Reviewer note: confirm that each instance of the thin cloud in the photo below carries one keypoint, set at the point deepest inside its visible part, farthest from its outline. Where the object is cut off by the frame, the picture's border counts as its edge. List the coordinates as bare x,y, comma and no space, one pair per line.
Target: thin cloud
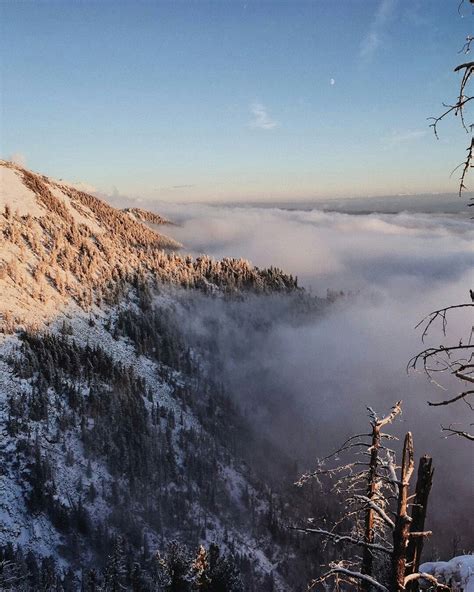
373,40
396,138
18,158
85,187
262,119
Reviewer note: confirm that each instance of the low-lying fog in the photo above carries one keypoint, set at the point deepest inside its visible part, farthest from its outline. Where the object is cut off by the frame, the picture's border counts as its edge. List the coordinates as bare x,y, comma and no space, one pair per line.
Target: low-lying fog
398,267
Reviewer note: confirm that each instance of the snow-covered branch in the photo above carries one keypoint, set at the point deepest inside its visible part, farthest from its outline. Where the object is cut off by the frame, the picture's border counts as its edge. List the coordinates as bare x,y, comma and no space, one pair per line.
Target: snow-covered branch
344,538
425,576
376,509
339,570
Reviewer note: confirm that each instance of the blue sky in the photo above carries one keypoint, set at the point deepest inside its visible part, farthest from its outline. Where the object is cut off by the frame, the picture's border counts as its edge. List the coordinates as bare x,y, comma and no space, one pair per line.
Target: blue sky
233,100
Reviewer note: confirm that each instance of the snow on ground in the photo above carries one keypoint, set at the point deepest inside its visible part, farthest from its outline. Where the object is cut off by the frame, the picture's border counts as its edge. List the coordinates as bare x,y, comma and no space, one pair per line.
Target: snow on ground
121,350
15,521
85,216
37,532
13,192
458,573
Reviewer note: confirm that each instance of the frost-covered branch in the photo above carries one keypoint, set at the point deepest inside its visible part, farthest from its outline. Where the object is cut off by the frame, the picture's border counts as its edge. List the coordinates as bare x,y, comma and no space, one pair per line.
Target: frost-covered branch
376,509
425,576
344,538
355,575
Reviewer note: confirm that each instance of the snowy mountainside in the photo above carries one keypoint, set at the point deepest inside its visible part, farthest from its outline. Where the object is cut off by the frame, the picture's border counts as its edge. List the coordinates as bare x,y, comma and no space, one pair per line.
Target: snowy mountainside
111,426
115,430
59,245
146,216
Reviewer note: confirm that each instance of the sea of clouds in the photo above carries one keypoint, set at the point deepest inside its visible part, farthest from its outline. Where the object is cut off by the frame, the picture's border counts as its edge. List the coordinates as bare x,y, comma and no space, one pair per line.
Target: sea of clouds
308,383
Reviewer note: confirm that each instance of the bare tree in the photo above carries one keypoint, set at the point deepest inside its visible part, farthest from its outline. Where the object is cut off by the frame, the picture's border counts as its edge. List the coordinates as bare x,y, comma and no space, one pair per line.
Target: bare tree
381,526
448,361
458,108
454,357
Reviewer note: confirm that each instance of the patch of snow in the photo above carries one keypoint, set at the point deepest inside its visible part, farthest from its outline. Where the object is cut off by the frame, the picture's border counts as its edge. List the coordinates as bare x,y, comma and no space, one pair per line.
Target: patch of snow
458,573
13,192
79,218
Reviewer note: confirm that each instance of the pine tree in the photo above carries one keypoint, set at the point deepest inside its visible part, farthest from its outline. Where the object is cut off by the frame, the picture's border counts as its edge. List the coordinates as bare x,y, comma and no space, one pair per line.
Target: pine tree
116,570
173,568
215,573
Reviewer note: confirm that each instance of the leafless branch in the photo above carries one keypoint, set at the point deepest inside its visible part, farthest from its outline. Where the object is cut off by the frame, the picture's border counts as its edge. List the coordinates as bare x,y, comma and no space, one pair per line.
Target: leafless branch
450,109
343,538
458,108
376,509
428,577
453,431
340,570
466,165
452,400
431,352
454,360
439,314
375,421
466,48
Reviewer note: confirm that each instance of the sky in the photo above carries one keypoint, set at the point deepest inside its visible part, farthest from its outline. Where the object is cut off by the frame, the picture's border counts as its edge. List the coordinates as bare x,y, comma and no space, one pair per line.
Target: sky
233,101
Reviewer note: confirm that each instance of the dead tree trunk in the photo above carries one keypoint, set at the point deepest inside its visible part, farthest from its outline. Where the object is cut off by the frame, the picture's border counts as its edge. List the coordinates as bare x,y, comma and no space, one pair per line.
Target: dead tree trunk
386,510
367,565
401,532
420,507
367,556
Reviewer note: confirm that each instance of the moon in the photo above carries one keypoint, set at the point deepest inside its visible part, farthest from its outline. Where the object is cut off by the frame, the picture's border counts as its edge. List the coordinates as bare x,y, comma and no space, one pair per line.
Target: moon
332,82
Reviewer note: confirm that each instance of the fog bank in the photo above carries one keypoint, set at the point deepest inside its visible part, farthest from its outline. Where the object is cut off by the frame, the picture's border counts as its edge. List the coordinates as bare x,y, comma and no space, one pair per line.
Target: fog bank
307,383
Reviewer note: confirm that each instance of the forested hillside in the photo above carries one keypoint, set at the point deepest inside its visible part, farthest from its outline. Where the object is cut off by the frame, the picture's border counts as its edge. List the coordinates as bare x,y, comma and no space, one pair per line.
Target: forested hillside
122,451
59,245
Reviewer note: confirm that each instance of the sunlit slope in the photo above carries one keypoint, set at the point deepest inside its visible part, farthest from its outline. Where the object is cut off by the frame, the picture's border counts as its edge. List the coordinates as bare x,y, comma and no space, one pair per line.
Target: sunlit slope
59,245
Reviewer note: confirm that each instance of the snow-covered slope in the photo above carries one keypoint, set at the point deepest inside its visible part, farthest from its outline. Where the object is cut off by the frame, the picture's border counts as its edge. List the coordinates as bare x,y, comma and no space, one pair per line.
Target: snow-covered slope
15,194
57,455
146,216
110,424
59,245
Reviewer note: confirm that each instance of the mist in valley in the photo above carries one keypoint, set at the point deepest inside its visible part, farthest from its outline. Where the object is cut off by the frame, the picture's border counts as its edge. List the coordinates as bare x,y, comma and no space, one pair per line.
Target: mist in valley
305,379
224,229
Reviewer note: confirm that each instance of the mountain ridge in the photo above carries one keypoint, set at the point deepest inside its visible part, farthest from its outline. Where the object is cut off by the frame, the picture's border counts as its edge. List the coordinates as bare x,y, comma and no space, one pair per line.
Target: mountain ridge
116,429
147,216
59,244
